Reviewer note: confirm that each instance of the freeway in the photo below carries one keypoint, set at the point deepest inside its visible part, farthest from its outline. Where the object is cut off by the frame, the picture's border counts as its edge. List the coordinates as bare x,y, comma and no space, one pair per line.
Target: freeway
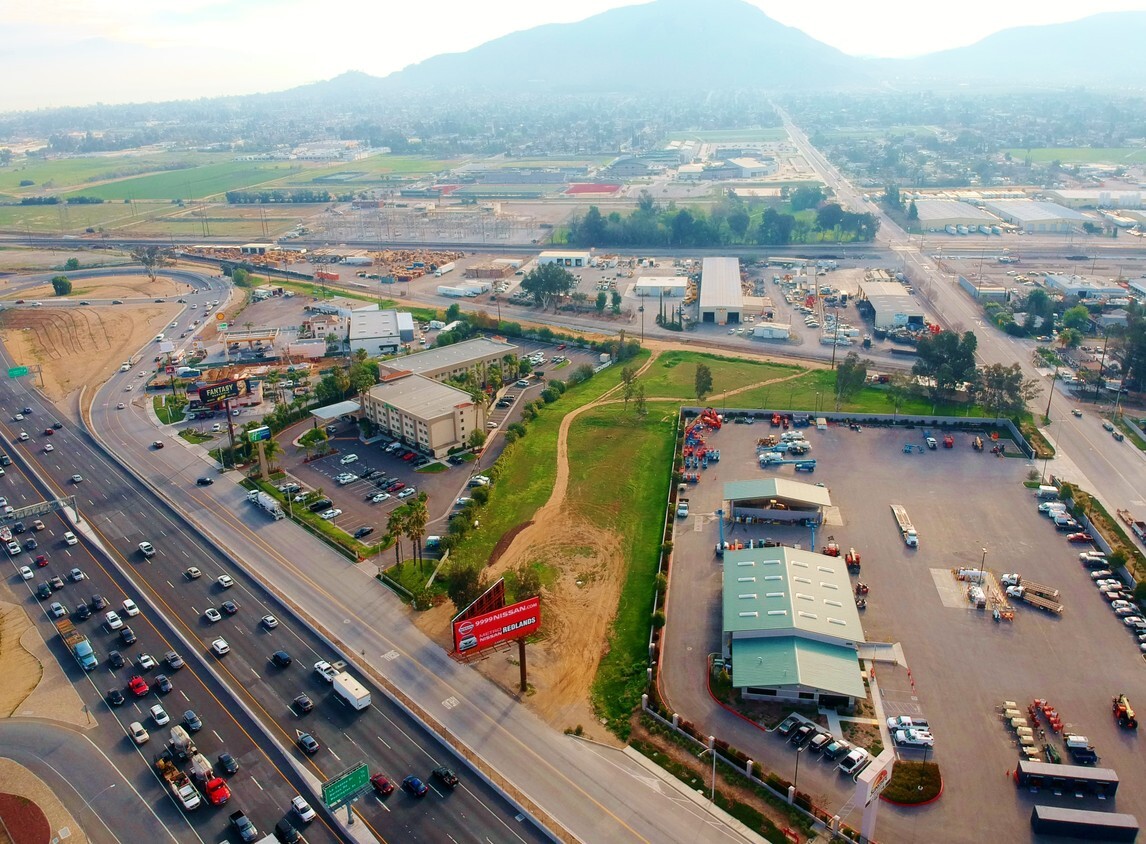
122,514
265,782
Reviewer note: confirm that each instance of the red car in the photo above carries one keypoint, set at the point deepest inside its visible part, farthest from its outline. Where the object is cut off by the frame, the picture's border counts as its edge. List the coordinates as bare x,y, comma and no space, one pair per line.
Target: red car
1080,537
138,686
218,792
382,784
394,487
408,456
41,560
48,432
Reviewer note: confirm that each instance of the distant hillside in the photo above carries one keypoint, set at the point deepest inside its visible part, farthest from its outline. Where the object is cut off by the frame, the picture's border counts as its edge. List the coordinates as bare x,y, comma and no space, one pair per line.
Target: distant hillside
667,44
1103,49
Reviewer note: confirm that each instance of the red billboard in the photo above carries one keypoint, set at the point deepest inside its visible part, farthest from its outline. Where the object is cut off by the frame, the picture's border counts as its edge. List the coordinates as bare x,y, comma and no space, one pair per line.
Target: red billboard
500,625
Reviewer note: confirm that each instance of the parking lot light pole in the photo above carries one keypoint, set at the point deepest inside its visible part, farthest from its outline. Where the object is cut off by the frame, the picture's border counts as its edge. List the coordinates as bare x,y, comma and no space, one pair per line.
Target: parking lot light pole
712,750
796,776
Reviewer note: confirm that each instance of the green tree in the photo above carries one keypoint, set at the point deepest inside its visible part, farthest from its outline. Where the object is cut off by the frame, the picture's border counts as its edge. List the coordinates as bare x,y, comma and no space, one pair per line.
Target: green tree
1077,318
1038,303
465,584
592,229
738,222
547,283
396,526
807,196
72,264
912,211
702,382
242,278
830,216
476,439
851,375
639,403
945,360
1070,338
899,389
453,312
628,381
1003,390
602,301
152,258
61,285
316,439
415,522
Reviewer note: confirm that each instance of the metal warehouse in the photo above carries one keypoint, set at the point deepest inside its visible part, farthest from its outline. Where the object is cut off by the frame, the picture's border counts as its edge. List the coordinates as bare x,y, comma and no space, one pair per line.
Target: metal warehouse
1036,217
665,285
937,214
893,306
721,297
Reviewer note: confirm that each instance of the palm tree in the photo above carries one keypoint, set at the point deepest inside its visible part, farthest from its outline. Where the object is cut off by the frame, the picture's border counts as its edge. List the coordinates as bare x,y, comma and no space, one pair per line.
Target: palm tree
271,449
415,523
396,527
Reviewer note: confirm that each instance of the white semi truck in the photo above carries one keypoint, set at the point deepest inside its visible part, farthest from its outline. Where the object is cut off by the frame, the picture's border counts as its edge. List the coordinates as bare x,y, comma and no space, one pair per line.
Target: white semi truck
266,502
906,529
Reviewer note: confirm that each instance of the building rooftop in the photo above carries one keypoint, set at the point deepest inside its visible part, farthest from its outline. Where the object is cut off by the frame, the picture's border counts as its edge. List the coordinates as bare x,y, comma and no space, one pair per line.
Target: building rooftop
333,411
788,660
781,488
947,209
661,281
419,396
452,356
720,284
1033,211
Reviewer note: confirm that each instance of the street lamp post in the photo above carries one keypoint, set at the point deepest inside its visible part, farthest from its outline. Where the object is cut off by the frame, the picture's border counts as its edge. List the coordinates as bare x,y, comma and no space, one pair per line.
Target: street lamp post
88,803
796,776
982,563
712,750
641,311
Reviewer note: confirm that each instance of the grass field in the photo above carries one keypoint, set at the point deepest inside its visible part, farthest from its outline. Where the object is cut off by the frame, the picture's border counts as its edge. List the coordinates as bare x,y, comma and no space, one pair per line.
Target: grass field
632,507
723,135
1082,155
376,168
67,174
197,183
61,218
674,373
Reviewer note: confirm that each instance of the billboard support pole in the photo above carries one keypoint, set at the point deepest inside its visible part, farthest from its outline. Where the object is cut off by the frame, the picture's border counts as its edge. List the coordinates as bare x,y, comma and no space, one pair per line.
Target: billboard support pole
231,431
262,459
521,662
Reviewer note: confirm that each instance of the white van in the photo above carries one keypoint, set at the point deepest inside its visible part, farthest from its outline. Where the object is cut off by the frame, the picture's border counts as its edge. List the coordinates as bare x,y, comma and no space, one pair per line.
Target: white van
1047,492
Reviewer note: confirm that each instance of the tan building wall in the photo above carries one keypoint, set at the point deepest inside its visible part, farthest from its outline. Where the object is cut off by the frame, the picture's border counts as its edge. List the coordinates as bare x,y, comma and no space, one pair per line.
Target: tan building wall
422,413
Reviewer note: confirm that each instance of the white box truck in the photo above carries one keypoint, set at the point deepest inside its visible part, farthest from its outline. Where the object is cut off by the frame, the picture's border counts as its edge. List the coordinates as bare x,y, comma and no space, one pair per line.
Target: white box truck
351,691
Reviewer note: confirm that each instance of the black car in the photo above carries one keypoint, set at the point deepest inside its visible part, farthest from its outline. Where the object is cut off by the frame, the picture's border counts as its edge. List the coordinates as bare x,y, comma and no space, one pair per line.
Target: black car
83,612
115,658
445,776
115,697
229,607
308,743
228,763
27,410
454,460
303,703
281,659
320,505
367,473
99,602
192,721
366,530
802,733
57,425
204,481
127,636
30,544
19,527
44,591
161,684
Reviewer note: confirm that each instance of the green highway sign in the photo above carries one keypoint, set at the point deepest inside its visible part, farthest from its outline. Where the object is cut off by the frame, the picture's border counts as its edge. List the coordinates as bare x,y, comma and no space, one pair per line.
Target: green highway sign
17,371
222,326
341,789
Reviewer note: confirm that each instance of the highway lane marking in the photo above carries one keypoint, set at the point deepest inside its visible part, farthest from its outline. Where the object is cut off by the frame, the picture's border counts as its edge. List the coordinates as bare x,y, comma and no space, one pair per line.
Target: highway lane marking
388,747
219,737
335,755
185,695
256,782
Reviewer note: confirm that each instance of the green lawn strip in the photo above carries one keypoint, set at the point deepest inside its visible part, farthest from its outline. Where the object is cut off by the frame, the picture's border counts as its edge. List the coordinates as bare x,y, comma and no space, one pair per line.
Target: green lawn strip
913,782
1081,155
192,184
432,468
526,470
324,530
673,374
631,505
1139,443
194,437
413,578
169,410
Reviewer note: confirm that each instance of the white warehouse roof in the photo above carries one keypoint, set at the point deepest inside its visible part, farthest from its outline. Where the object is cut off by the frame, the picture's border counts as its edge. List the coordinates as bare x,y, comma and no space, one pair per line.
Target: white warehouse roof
1023,211
949,212
720,284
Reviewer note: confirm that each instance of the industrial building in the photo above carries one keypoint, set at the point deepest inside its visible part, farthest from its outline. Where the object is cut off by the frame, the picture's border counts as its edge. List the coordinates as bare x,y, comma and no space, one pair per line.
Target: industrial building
670,287
936,214
1081,286
891,304
565,259
379,331
1036,217
772,331
446,362
777,500
423,413
752,168
721,296
790,626
1099,198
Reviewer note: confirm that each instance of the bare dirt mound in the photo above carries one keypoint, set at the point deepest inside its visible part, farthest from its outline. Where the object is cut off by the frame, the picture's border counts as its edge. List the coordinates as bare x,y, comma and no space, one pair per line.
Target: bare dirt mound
78,346
23,820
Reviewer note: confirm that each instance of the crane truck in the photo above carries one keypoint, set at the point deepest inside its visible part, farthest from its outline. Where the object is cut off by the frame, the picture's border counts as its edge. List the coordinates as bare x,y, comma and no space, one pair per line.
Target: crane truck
1035,600
179,783
77,643
266,502
906,529
1029,585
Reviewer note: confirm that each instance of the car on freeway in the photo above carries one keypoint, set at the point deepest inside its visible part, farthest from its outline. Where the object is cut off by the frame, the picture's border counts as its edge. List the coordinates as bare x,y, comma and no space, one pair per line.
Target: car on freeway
55,582
382,784
303,809
127,636
115,659
229,607
114,622
414,786
115,697
119,406
147,662
76,575
445,776
57,609
228,763
26,573
269,622
193,573
49,447
160,715
83,612
138,734
308,743
42,560
31,544
70,538
303,703
98,602
212,615
225,581
130,607
192,721
138,686
147,549
37,525
174,660
14,548
162,684
325,670
281,659
204,481
220,647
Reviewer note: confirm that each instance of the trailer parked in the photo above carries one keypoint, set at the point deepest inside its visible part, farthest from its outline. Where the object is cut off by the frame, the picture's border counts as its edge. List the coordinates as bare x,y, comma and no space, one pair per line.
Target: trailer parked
1034,600
906,529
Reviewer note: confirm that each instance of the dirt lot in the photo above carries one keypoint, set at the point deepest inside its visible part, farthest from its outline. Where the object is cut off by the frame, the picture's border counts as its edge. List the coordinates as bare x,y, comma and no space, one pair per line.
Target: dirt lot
19,668
39,260
106,287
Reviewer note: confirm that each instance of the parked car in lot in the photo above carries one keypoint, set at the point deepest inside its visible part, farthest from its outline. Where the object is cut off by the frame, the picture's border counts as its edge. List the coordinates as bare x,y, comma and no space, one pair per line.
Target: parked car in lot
407,492
914,738
790,723
854,762
801,733
836,748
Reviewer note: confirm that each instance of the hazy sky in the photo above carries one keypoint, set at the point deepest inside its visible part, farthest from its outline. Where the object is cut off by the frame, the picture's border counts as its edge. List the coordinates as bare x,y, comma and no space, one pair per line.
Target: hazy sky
71,52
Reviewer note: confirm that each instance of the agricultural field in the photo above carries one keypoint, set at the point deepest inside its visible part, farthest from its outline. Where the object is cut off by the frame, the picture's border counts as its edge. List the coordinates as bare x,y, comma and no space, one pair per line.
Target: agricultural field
69,174
377,169
203,182
713,136
1081,155
62,219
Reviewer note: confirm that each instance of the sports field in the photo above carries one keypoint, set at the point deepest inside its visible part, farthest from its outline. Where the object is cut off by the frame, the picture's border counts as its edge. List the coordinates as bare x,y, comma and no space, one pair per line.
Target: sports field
1082,155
